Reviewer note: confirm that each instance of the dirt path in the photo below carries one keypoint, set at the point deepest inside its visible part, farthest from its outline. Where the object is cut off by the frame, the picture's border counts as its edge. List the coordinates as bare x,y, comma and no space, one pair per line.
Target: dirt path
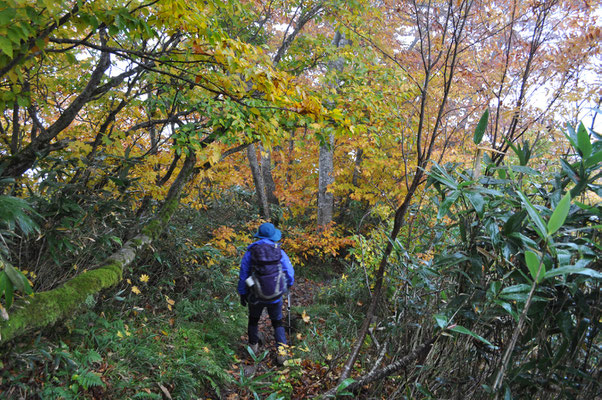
302,294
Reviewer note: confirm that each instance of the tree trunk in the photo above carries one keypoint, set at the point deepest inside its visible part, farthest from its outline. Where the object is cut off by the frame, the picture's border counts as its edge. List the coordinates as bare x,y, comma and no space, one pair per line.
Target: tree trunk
266,172
325,179
344,209
326,163
359,153
262,199
47,308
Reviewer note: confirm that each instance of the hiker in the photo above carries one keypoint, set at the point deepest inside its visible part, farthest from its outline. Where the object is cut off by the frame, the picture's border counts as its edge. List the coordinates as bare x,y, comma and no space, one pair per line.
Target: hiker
266,273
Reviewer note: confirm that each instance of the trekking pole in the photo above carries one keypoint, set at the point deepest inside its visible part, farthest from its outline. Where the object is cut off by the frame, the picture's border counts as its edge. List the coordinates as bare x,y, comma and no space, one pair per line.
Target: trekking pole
288,309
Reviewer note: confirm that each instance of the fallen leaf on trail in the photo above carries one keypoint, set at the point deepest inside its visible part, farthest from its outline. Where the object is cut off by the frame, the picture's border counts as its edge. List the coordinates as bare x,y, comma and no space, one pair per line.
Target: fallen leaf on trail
305,317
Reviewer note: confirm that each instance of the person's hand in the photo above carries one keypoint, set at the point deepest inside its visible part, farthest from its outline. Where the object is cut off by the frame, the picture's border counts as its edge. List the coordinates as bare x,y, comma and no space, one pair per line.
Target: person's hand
243,300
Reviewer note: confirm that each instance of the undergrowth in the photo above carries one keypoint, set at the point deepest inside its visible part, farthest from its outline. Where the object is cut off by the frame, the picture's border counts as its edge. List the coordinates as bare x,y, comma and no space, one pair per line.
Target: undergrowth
128,347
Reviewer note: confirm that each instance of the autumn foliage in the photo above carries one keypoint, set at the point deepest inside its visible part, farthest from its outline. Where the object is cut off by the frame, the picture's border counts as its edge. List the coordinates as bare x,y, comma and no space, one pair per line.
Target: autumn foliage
147,140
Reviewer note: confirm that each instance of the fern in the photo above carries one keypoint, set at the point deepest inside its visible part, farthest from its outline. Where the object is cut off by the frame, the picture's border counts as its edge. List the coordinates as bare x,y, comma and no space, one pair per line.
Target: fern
92,356
87,379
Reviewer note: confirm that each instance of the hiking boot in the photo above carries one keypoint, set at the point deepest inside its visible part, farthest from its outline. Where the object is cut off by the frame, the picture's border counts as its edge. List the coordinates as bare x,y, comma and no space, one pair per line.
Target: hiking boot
282,355
280,359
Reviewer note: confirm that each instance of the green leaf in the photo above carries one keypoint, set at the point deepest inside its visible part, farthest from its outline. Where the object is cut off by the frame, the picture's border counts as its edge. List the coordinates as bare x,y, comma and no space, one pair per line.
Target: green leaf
344,385
461,329
593,160
583,141
447,203
3,282
6,15
442,176
570,171
560,213
573,269
481,127
520,288
540,226
523,169
508,307
7,288
527,241
15,277
572,136
477,202
533,264
6,46
441,320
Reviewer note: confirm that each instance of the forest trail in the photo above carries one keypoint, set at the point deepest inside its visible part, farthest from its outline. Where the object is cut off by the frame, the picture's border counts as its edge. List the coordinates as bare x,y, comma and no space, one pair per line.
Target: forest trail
302,295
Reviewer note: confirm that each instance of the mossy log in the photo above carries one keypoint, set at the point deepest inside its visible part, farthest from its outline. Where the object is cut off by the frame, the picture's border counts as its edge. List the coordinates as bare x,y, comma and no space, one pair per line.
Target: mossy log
47,308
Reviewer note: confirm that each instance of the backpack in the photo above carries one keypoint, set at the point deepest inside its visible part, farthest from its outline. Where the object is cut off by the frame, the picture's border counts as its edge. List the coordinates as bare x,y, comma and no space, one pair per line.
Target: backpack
266,271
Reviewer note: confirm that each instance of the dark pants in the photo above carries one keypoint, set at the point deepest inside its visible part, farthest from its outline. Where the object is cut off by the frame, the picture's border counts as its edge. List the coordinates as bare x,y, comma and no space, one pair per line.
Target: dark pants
275,313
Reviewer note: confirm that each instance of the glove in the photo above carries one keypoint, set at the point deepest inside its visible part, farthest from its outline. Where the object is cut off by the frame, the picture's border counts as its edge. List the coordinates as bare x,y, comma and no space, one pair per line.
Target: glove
243,300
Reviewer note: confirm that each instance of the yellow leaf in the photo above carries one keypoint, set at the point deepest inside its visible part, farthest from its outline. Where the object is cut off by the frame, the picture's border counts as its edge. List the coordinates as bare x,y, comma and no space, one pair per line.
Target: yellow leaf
135,290
305,317
119,334
165,333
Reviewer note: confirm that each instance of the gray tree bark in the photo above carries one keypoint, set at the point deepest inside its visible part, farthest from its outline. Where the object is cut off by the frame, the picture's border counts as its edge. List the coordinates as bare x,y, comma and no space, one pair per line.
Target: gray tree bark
325,179
326,160
262,199
266,173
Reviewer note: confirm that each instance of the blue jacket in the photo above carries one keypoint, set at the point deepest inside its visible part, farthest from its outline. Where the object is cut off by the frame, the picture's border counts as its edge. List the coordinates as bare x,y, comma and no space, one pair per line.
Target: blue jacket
245,270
